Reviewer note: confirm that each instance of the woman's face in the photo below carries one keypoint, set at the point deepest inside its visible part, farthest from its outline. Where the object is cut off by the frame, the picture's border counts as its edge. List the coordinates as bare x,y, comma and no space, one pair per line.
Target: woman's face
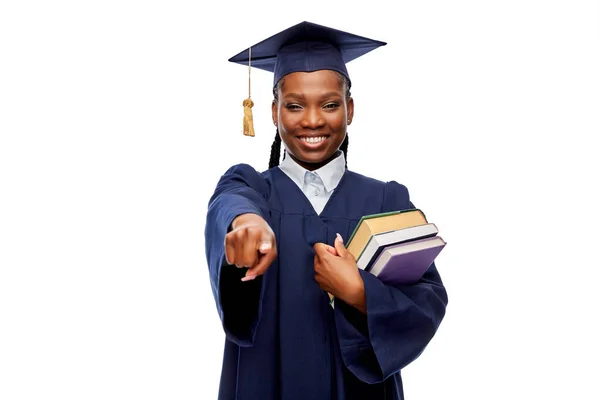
312,113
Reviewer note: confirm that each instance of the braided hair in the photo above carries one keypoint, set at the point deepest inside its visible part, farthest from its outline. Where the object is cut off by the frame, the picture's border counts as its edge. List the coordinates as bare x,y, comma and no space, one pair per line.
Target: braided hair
275,151
276,146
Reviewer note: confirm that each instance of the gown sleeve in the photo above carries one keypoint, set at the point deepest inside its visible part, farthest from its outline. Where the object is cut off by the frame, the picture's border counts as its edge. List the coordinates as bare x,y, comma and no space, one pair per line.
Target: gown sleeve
400,320
239,191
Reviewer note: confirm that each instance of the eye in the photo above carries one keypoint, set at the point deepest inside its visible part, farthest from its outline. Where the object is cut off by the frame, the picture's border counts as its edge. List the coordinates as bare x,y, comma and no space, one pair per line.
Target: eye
331,105
293,107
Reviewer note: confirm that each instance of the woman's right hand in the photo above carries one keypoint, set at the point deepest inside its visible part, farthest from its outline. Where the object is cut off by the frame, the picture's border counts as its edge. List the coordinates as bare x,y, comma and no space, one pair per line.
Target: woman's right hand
250,244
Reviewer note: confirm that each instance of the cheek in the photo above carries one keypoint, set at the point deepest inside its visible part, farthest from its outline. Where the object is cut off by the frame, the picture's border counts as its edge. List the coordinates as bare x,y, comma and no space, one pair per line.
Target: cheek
337,121
287,128
288,120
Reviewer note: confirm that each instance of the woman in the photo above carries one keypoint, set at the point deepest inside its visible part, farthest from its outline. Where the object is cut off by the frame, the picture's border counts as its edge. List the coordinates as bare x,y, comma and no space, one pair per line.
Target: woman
274,245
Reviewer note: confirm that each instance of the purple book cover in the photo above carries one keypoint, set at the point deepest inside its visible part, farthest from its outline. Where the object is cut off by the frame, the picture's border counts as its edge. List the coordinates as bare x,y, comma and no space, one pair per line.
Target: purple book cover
397,266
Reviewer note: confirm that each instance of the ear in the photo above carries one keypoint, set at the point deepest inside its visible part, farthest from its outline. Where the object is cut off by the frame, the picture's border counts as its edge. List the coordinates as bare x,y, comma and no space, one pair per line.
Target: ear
350,110
274,112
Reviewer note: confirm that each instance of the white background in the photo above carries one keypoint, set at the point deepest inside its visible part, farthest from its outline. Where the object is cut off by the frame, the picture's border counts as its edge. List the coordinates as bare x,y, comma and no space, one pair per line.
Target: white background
118,117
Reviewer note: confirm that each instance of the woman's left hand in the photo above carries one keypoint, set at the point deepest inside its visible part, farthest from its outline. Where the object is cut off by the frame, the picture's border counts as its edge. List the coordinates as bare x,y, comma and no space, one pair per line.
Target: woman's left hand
337,273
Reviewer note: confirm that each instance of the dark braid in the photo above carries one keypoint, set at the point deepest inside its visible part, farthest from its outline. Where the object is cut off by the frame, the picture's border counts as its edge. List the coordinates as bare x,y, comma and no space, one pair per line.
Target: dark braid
344,148
275,151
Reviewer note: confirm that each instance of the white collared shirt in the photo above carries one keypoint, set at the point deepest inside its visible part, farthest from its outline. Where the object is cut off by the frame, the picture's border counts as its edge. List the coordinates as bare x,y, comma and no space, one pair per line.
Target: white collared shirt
317,185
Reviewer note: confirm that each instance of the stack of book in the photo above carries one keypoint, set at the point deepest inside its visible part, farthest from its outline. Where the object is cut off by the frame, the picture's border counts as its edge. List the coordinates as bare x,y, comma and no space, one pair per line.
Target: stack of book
398,247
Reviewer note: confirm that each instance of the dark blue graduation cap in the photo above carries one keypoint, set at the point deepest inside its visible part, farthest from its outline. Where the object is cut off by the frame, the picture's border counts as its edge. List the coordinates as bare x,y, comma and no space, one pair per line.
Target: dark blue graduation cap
304,47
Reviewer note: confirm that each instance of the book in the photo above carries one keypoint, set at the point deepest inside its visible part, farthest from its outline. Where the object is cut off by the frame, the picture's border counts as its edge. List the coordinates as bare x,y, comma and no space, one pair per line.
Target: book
377,243
406,263
373,224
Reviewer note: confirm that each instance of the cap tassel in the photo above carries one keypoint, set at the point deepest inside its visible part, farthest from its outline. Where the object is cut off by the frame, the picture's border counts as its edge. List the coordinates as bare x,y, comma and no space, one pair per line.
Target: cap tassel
248,104
248,124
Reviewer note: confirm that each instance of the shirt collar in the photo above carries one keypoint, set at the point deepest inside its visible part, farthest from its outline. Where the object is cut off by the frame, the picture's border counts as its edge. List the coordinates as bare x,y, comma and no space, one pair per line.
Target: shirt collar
331,173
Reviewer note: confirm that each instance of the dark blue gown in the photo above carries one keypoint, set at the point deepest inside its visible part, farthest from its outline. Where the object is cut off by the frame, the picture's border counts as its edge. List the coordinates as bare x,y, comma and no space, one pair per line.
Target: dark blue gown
283,339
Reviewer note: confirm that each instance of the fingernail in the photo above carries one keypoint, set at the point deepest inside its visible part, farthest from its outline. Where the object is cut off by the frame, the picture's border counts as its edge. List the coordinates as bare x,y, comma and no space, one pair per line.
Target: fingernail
264,247
340,237
248,278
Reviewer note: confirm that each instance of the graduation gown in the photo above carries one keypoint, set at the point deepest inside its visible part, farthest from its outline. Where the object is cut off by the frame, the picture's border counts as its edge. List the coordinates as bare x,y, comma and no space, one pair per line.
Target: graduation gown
283,338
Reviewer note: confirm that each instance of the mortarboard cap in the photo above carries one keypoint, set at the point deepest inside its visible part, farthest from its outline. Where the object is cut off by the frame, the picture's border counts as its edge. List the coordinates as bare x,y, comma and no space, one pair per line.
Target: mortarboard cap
305,47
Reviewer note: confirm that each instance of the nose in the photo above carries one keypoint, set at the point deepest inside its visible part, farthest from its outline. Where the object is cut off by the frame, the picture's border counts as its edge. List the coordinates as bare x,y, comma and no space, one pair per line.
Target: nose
312,118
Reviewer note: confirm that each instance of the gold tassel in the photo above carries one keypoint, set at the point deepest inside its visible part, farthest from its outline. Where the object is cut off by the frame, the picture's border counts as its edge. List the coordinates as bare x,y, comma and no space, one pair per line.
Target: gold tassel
248,103
248,124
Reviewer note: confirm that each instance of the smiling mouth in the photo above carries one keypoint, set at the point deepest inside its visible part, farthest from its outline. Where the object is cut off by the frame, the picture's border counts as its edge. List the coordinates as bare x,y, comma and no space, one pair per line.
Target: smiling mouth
313,139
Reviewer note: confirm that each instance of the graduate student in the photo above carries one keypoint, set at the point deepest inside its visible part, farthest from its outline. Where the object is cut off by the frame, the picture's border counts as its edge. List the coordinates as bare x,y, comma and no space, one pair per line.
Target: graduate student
274,245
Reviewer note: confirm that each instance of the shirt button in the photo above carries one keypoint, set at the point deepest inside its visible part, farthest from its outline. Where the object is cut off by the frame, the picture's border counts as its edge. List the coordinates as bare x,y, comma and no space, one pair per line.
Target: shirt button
317,192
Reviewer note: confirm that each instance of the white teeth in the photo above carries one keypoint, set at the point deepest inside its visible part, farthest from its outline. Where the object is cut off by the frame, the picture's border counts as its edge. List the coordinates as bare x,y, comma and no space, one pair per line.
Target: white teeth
313,139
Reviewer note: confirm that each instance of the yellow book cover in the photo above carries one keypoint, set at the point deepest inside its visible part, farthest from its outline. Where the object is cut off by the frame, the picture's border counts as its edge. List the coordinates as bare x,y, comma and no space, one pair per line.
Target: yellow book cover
370,225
